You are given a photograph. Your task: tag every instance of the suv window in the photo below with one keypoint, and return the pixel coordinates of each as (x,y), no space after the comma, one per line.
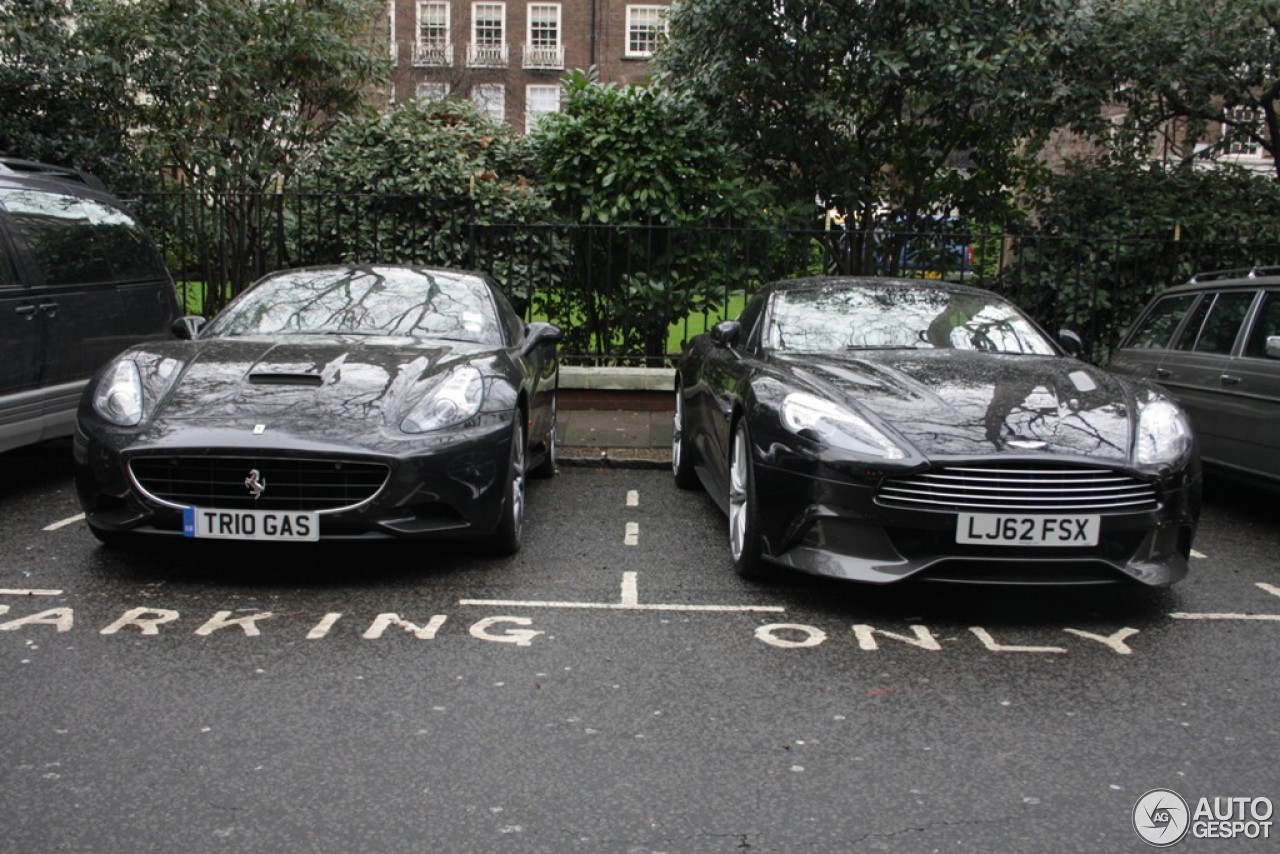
(1216,322)
(1160,324)
(79,241)
(1266,324)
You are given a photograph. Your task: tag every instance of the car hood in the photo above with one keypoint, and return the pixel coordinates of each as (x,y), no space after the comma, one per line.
(962,403)
(305,381)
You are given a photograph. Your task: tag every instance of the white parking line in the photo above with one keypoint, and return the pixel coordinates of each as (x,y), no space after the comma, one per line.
(629,601)
(16,592)
(79,517)
(1261,618)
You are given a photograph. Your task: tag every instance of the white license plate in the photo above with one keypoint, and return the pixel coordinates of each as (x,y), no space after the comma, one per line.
(280,525)
(993,529)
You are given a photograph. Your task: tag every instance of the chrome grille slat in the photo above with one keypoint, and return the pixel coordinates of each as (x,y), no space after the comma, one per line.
(218,482)
(1037,489)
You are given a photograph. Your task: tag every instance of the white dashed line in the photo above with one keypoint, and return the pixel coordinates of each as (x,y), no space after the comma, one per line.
(79,517)
(633,498)
(632,536)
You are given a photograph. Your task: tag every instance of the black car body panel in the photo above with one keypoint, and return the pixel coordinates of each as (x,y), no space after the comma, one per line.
(1043,438)
(315,422)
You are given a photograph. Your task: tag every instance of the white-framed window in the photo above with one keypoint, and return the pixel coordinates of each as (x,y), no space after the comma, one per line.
(544,48)
(426,92)
(491,99)
(646,27)
(1239,120)
(539,100)
(434,46)
(488,47)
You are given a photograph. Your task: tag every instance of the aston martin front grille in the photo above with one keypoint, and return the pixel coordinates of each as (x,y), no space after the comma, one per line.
(281,483)
(1033,488)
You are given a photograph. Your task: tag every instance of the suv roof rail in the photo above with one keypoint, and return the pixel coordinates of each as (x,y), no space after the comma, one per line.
(1238,273)
(18,166)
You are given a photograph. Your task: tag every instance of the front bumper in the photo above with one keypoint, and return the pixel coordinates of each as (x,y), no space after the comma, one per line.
(820,519)
(451,485)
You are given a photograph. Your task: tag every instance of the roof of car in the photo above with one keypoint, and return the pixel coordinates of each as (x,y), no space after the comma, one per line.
(1240,277)
(15,167)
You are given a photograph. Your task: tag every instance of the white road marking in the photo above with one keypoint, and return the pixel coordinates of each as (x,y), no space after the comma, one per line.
(1260,618)
(990,643)
(629,601)
(633,498)
(632,535)
(1201,555)
(71,520)
(12,591)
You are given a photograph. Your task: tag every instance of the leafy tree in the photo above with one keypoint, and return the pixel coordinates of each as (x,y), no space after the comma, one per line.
(1179,65)
(62,101)
(438,183)
(230,92)
(917,107)
(636,167)
(1113,232)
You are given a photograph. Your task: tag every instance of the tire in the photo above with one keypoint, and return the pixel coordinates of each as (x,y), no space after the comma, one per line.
(547,468)
(681,451)
(506,538)
(744,510)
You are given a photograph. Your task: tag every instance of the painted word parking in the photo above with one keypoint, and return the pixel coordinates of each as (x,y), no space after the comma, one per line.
(516,623)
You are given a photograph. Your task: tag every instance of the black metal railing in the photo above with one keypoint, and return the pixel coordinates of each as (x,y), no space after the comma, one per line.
(632,293)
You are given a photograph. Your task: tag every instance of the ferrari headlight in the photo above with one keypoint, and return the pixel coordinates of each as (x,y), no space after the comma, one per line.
(453,400)
(119,395)
(1164,435)
(826,422)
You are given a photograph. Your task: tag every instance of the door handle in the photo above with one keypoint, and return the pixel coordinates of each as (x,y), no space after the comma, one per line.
(1163,373)
(27,311)
(49,308)
(1229,379)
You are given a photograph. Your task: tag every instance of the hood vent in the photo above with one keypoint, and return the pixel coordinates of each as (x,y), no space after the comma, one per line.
(315,380)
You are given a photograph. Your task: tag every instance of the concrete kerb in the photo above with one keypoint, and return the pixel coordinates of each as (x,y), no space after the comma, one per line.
(615,417)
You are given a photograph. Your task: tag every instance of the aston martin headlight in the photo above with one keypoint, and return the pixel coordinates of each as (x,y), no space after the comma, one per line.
(826,422)
(1164,435)
(119,395)
(453,400)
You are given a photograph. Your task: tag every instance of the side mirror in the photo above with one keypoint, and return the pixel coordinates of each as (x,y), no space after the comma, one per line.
(726,333)
(1273,346)
(188,327)
(1071,342)
(539,333)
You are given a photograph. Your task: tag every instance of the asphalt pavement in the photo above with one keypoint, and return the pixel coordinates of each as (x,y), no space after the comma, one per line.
(630,438)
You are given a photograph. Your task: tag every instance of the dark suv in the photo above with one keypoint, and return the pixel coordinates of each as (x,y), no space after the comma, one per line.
(79,281)
(1215,343)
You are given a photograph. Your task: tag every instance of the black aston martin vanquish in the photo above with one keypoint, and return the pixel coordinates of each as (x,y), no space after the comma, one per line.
(880,429)
(327,402)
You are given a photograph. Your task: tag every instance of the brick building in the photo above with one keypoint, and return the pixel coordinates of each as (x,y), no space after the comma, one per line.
(508,55)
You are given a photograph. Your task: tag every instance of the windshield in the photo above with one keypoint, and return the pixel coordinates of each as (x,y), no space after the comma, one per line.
(896,317)
(364,301)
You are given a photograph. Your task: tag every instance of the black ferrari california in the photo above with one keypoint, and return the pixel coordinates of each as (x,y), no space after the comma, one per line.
(327,403)
(882,429)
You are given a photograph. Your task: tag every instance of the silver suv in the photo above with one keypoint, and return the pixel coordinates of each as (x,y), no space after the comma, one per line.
(79,281)
(1215,343)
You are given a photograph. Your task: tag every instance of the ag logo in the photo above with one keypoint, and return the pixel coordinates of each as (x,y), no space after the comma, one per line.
(1161,817)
